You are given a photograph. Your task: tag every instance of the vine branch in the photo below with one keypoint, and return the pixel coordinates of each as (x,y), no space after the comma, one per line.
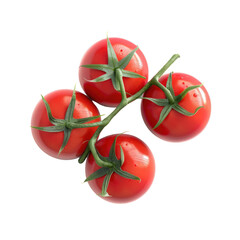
(125,101)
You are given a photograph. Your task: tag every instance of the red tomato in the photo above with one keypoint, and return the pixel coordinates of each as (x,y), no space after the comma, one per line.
(50,142)
(177,127)
(139,161)
(104,92)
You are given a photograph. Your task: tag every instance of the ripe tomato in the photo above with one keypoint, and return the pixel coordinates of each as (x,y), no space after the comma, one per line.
(50,142)
(176,126)
(138,160)
(103,92)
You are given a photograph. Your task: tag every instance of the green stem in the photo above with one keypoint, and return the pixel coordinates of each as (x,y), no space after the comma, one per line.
(72,125)
(140,92)
(125,101)
(93,150)
(84,155)
(166,66)
(165,90)
(107,120)
(154,80)
(92,141)
(119,76)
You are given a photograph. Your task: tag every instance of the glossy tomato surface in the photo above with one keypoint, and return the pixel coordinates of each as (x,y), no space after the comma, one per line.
(50,142)
(104,92)
(139,161)
(177,127)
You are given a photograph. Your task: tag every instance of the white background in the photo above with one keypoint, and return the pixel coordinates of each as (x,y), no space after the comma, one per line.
(196,191)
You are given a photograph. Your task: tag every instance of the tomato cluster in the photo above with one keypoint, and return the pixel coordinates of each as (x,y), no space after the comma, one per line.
(66,124)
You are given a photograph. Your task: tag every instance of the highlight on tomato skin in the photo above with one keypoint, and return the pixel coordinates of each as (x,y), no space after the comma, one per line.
(177,127)
(51,142)
(138,160)
(103,92)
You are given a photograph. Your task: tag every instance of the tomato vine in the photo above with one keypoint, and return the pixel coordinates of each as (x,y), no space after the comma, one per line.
(115,71)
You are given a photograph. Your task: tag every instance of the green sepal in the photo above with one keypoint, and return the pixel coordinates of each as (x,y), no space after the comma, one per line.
(112,58)
(164,113)
(105,184)
(112,154)
(105,159)
(67,133)
(159,102)
(125,174)
(97,174)
(49,113)
(102,67)
(85,120)
(124,62)
(183,111)
(104,77)
(122,156)
(169,84)
(71,106)
(130,74)
(185,91)
(58,128)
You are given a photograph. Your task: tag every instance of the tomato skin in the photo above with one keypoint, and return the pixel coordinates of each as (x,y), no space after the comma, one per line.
(177,127)
(51,142)
(103,92)
(139,161)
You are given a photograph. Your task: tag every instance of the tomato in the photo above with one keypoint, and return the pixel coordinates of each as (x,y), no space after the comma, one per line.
(138,160)
(104,92)
(51,142)
(176,126)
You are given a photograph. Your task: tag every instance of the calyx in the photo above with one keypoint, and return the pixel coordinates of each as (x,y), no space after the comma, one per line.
(113,64)
(171,101)
(108,171)
(64,125)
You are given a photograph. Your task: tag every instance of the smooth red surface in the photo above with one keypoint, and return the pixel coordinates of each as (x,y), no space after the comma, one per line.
(177,127)
(139,161)
(50,143)
(103,92)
